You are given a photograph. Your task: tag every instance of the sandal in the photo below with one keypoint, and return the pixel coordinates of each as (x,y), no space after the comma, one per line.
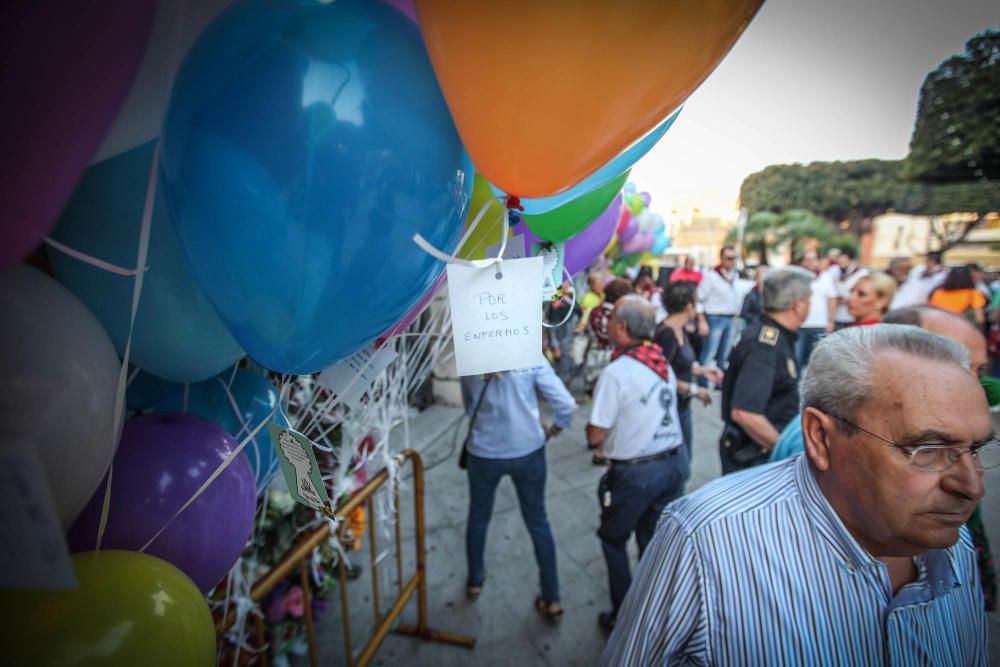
(472,591)
(598,460)
(544,608)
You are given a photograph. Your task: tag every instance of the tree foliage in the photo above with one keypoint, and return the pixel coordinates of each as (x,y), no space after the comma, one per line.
(957,133)
(766,230)
(953,166)
(853,190)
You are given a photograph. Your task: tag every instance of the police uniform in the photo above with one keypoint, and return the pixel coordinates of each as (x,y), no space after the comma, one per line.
(762,377)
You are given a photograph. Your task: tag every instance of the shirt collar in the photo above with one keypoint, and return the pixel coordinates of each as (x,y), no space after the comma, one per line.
(938,566)
(826,521)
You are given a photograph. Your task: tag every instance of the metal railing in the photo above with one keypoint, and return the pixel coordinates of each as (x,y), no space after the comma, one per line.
(300,552)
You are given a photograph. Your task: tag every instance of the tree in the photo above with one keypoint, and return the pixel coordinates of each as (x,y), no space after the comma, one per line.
(855,191)
(766,231)
(955,147)
(956,137)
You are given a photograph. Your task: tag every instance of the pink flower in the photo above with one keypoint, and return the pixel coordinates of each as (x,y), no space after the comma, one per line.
(295,602)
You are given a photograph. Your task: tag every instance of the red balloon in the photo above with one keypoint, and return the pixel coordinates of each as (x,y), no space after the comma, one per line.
(66,68)
(623,220)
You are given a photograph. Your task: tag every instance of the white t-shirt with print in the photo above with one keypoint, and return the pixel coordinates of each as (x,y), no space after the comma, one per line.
(638,408)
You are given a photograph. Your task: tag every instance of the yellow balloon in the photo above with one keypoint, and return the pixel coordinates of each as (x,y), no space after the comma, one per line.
(487,233)
(611,245)
(130,609)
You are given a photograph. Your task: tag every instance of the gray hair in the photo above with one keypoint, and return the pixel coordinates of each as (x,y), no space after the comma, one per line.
(638,315)
(841,378)
(783,287)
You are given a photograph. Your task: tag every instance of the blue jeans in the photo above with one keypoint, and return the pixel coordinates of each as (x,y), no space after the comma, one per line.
(632,498)
(685,418)
(716,347)
(804,344)
(528,474)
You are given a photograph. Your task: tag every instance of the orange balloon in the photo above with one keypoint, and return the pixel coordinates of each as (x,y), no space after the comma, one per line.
(545,92)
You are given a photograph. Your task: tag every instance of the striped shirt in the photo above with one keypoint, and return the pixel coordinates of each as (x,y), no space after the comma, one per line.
(757,569)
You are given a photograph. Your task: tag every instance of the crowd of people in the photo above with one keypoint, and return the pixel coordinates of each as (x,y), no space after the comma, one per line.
(859,386)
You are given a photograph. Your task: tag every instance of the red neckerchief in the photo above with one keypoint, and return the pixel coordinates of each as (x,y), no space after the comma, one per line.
(649,355)
(599,323)
(729,280)
(866,323)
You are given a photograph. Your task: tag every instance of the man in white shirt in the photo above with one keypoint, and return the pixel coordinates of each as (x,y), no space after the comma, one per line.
(634,418)
(822,309)
(850,273)
(916,290)
(720,301)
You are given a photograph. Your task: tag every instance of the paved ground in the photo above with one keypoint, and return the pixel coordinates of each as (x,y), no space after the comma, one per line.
(508,630)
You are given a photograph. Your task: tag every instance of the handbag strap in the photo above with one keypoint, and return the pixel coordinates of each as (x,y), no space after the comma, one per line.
(479,402)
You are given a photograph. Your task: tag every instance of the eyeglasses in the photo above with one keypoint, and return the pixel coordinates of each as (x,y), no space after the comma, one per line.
(729,258)
(937,457)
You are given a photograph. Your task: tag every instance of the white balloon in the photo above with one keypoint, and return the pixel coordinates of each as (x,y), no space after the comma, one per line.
(60,374)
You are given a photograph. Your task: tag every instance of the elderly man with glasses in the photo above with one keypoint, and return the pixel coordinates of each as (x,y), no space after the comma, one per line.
(854,553)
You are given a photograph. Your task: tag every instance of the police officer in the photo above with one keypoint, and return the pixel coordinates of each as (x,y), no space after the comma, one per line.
(760,392)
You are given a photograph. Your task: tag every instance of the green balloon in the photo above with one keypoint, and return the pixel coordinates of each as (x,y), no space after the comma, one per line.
(565,222)
(130,609)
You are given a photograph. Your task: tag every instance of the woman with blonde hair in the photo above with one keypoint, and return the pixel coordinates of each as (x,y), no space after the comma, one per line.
(870,298)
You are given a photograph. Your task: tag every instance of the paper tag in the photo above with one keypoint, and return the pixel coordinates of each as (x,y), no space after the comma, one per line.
(33,551)
(496,319)
(364,365)
(551,272)
(515,248)
(298,465)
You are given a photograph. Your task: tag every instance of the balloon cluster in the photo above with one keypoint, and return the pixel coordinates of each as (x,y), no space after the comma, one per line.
(270,215)
(640,232)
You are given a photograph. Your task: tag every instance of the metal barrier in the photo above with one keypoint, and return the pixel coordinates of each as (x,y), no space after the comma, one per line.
(300,552)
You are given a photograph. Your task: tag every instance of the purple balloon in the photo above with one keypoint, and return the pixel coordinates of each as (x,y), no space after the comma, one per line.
(581,250)
(161,462)
(630,231)
(67,68)
(646,198)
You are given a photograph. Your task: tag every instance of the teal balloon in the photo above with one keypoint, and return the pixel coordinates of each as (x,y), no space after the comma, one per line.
(145,390)
(609,172)
(178,335)
(304,145)
(255,398)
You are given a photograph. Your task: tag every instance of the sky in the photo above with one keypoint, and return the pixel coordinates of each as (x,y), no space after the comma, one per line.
(809,80)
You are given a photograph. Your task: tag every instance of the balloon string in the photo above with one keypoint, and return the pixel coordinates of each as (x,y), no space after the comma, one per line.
(471,263)
(93,261)
(147,223)
(244,426)
(222,466)
(572,303)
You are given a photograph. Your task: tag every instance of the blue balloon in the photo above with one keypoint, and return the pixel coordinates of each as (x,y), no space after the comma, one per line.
(255,397)
(602,176)
(178,335)
(661,243)
(303,147)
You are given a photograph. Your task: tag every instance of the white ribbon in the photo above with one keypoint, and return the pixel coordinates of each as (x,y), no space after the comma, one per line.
(471,263)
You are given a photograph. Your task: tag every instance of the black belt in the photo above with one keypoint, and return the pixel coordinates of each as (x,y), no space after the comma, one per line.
(667,453)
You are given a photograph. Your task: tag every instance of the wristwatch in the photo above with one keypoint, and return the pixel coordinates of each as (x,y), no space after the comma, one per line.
(692,390)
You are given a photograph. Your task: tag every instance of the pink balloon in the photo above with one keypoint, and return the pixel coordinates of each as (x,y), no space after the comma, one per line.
(404,6)
(68,66)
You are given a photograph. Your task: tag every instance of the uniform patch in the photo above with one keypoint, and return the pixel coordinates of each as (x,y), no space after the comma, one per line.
(768,335)
(791,368)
